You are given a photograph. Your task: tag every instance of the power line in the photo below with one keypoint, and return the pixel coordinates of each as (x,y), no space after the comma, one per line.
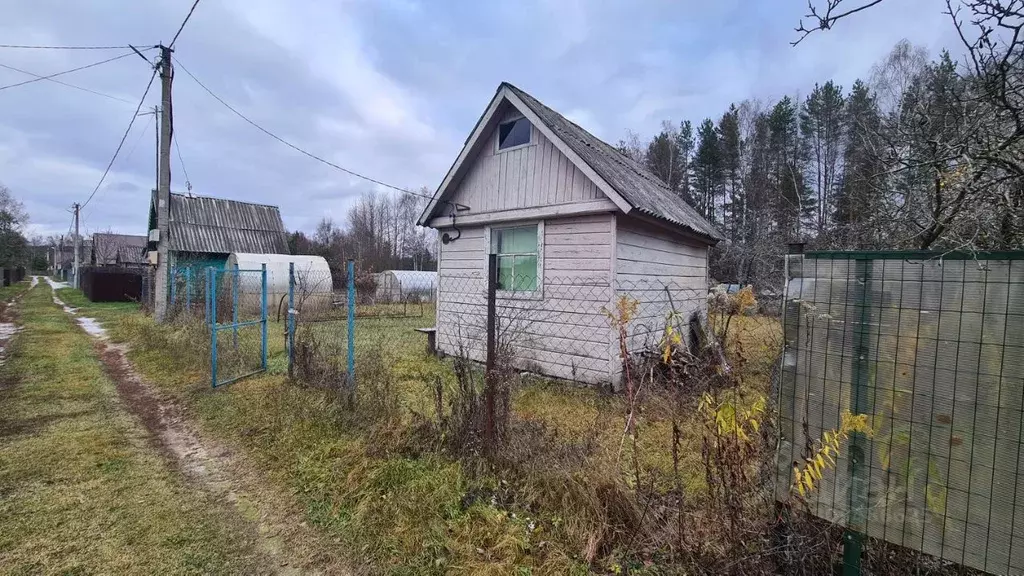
(123,138)
(67,71)
(181,161)
(293,146)
(29,47)
(145,130)
(63,83)
(185,21)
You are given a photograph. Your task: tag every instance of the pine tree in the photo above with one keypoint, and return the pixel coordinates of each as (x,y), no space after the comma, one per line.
(707,170)
(821,126)
(859,194)
(668,157)
(730,146)
(793,200)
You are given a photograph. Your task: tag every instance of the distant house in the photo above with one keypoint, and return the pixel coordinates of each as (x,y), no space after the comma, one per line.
(204,231)
(118,250)
(65,257)
(574,223)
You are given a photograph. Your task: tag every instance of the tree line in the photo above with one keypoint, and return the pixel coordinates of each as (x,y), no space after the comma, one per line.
(379,232)
(923,154)
(14,247)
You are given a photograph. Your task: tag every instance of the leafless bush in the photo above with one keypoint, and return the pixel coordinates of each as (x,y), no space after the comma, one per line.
(318,359)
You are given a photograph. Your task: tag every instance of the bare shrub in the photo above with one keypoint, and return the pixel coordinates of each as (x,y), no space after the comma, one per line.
(318,359)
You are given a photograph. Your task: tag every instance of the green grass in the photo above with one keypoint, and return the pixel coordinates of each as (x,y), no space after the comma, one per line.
(83,490)
(413,512)
(108,312)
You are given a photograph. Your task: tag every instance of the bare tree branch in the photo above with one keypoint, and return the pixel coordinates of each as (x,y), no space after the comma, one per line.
(827,20)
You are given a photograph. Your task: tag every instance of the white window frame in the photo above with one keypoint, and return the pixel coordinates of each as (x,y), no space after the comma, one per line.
(537,294)
(497,135)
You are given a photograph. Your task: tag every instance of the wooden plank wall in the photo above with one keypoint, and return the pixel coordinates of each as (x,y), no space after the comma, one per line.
(649,260)
(534,175)
(563,332)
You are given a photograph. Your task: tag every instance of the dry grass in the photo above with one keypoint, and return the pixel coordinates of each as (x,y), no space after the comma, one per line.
(83,490)
(563,500)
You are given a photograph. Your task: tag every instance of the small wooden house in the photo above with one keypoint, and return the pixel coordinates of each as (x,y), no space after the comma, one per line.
(574,224)
(204,231)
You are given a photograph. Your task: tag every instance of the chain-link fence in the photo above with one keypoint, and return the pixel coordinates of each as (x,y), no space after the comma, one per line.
(236,309)
(559,326)
(186,295)
(931,349)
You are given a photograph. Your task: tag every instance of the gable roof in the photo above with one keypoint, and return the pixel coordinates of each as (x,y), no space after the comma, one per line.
(216,225)
(118,248)
(626,182)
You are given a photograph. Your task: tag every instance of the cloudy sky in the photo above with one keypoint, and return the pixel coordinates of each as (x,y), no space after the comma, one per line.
(388,88)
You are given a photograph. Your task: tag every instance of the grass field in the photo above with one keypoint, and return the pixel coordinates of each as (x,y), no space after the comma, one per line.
(84,492)
(403,509)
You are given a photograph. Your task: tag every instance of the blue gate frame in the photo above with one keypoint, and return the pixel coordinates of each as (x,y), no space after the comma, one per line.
(215,327)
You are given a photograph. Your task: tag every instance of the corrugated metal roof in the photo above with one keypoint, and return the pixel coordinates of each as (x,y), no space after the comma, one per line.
(643,190)
(118,248)
(203,224)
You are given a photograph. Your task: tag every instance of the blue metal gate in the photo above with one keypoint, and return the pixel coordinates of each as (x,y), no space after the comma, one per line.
(236,313)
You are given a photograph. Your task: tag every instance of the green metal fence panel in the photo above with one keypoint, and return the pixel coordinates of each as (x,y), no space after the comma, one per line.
(931,348)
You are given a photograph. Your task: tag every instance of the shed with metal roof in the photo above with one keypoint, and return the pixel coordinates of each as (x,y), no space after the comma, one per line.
(203,231)
(574,223)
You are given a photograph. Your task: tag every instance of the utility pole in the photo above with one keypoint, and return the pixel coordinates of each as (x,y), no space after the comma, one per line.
(163,192)
(78,245)
(155,113)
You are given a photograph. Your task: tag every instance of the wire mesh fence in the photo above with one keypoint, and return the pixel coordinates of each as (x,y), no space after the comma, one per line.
(561,326)
(555,325)
(931,349)
(187,293)
(236,309)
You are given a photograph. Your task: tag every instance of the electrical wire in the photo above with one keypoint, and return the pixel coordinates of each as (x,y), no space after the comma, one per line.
(293,146)
(181,161)
(68,84)
(182,27)
(145,130)
(29,47)
(123,138)
(51,76)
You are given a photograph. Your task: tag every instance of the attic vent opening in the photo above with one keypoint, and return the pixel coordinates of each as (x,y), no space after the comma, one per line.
(513,133)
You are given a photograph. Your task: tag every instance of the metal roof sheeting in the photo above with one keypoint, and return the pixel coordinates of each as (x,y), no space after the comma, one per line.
(202,224)
(643,190)
(119,248)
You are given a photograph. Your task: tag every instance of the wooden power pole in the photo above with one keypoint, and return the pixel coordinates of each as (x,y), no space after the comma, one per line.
(78,246)
(163,193)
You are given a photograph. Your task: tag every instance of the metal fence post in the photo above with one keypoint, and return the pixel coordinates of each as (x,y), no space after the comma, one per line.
(263,308)
(291,319)
(489,383)
(351,268)
(213,329)
(172,278)
(234,307)
(188,289)
(859,401)
(208,297)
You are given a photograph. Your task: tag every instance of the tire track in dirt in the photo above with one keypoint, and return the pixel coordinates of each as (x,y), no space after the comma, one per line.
(280,532)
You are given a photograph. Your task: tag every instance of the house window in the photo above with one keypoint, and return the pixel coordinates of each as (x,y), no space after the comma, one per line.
(517,257)
(514,133)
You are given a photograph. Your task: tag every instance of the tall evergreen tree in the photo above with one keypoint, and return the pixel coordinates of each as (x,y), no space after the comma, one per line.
(821,126)
(730,145)
(859,195)
(793,200)
(668,156)
(707,170)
